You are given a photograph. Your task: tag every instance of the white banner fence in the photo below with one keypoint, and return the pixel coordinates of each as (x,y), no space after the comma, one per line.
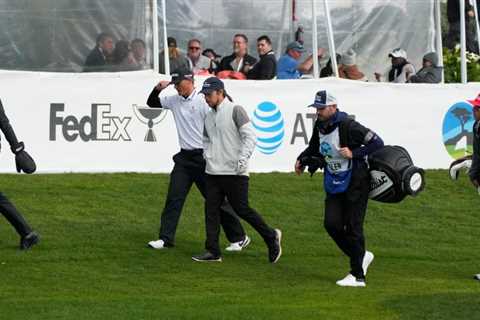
(95,123)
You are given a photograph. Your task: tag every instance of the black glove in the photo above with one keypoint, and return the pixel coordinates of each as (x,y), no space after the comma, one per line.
(23,160)
(313,163)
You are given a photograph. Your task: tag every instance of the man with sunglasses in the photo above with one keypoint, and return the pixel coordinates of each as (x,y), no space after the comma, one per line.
(189,111)
(198,62)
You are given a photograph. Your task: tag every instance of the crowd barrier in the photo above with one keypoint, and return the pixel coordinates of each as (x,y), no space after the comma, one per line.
(99,123)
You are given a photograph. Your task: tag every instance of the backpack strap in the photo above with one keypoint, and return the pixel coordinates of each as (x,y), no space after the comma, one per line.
(344,129)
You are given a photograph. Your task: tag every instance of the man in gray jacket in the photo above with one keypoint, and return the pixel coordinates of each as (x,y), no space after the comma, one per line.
(430,72)
(228,143)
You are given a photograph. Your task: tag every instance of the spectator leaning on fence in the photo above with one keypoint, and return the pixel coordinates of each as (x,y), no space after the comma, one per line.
(177,60)
(401,69)
(198,62)
(266,67)
(348,68)
(100,56)
(239,58)
(430,72)
(289,65)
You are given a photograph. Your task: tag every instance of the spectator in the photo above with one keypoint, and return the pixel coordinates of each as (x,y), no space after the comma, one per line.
(401,69)
(123,59)
(348,68)
(177,60)
(214,58)
(138,51)
(327,71)
(266,67)
(289,66)
(430,72)
(100,57)
(453,16)
(238,59)
(198,63)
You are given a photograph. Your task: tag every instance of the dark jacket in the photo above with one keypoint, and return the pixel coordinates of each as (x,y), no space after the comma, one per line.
(265,69)
(427,75)
(474,171)
(7,128)
(453,10)
(360,140)
(431,74)
(96,61)
(225,63)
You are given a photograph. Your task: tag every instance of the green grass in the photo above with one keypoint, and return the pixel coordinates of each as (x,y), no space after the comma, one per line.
(92,262)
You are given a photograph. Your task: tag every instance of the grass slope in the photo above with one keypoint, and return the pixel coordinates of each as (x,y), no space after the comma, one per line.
(92,262)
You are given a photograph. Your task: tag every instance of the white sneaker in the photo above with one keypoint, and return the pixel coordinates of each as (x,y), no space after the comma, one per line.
(238,246)
(476,277)
(350,281)
(367,259)
(157,244)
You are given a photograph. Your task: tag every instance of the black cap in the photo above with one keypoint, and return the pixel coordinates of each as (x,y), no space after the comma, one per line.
(181,74)
(216,55)
(172,42)
(212,84)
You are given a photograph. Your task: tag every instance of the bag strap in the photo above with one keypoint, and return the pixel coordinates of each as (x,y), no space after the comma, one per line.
(344,129)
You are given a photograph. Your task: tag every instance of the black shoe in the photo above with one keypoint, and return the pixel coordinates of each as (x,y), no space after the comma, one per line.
(29,240)
(207,257)
(275,249)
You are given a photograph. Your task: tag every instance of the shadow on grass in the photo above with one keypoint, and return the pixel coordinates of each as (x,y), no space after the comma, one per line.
(438,306)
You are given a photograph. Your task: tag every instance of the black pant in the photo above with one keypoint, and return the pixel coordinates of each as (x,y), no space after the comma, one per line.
(344,216)
(235,188)
(13,216)
(190,168)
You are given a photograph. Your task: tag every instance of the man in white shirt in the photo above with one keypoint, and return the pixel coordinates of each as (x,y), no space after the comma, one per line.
(189,110)
(229,141)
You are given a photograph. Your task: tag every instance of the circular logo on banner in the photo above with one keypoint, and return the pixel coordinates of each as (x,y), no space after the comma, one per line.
(457,129)
(268,122)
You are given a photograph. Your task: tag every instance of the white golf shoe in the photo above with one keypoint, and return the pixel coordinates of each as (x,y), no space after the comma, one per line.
(367,260)
(476,277)
(351,281)
(157,244)
(238,246)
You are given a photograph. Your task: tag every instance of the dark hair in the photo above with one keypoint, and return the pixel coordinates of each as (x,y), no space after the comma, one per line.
(121,51)
(264,37)
(241,35)
(138,41)
(102,36)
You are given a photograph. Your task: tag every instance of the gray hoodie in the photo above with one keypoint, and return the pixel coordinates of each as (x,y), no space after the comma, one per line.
(431,74)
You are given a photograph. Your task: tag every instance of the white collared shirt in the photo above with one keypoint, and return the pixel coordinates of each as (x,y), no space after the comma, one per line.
(189,114)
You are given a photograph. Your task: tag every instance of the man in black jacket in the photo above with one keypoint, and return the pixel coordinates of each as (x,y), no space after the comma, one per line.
(239,58)
(474,171)
(453,16)
(266,67)
(342,145)
(99,58)
(24,163)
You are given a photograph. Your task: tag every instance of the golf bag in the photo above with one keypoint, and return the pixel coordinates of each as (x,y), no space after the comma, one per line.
(393,175)
(459,164)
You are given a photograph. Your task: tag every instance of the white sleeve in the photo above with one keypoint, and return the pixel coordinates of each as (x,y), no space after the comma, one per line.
(168,102)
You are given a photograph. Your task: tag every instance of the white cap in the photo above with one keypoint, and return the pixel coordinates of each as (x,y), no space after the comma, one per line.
(398,53)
